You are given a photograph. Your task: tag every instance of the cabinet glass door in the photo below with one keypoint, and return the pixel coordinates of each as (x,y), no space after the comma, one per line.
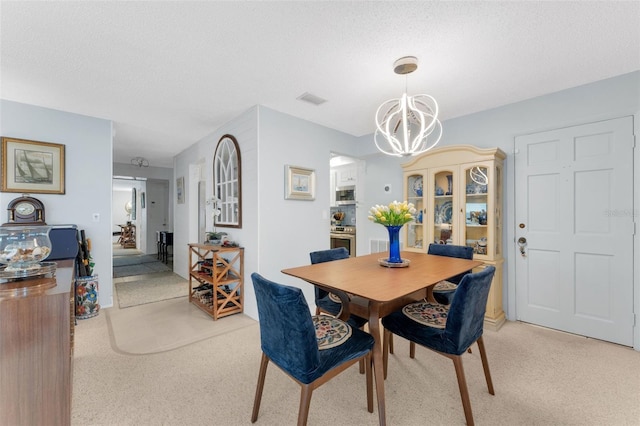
(497,236)
(443,193)
(476,208)
(415,229)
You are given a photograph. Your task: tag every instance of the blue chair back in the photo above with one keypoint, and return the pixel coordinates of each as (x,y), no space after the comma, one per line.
(466,313)
(450,250)
(322,256)
(287,333)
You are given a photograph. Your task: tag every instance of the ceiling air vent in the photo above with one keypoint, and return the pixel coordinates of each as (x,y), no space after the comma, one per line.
(311,98)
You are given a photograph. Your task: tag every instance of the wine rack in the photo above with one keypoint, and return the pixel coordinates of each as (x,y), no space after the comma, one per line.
(216,279)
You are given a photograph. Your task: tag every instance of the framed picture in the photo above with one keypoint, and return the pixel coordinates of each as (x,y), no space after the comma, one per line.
(180,189)
(299,183)
(32,167)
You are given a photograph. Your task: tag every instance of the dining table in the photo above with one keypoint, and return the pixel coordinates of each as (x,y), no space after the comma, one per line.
(371,290)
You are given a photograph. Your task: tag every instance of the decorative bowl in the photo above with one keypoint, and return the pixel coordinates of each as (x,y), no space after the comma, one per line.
(24,247)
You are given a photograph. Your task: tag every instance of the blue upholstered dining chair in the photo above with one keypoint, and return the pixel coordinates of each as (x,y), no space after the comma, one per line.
(310,350)
(448,329)
(326,302)
(443,291)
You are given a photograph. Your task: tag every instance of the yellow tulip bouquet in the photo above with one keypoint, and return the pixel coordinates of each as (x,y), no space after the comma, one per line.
(395,214)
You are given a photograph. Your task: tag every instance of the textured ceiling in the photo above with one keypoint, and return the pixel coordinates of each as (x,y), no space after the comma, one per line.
(169,73)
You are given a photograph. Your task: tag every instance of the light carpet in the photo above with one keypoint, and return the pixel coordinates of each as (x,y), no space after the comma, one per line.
(541,378)
(151,290)
(131,267)
(117,251)
(163,326)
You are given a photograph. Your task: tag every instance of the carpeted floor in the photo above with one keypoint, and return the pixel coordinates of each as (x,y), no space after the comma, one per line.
(126,266)
(541,377)
(165,326)
(151,288)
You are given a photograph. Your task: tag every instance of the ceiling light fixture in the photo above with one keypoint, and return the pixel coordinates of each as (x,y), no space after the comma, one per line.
(409,125)
(478,175)
(140,162)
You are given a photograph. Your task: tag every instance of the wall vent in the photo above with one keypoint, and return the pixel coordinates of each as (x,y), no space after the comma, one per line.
(378,246)
(311,98)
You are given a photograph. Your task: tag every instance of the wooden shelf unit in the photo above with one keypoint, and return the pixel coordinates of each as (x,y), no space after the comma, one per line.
(216,279)
(127,236)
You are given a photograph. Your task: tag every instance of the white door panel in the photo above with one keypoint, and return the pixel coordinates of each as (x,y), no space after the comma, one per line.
(574,203)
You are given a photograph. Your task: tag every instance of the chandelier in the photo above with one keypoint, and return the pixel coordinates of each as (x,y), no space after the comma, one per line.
(409,125)
(140,162)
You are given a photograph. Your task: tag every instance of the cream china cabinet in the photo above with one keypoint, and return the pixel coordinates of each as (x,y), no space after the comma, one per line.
(457,191)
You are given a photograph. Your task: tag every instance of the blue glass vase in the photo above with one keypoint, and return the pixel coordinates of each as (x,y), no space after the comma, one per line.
(394,244)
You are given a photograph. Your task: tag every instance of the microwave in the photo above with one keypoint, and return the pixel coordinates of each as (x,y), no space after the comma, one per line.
(345,195)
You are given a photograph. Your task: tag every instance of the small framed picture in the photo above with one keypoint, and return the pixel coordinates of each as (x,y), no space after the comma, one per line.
(32,167)
(299,183)
(180,189)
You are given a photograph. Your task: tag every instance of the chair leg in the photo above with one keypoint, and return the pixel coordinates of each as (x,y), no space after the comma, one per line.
(261,375)
(305,401)
(386,337)
(485,365)
(412,350)
(361,362)
(369,374)
(464,392)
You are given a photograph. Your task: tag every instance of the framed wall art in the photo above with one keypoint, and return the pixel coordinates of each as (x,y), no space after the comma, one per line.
(299,183)
(32,167)
(180,189)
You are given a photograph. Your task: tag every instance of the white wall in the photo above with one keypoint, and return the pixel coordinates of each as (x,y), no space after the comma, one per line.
(88,154)
(290,229)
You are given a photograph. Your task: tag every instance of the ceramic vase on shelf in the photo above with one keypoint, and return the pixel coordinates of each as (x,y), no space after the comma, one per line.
(86,294)
(394,244)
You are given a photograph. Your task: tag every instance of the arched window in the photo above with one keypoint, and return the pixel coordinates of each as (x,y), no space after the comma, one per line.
(227,183)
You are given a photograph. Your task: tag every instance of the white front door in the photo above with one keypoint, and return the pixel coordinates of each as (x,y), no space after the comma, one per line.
(574,219)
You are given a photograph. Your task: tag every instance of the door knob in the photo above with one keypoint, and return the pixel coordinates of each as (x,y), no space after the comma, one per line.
(522,242)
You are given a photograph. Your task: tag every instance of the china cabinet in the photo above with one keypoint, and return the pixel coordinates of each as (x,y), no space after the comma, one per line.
(458,193)
(216,279)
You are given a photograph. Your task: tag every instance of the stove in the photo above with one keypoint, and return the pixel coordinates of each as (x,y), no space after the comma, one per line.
(335,229)
(343,236)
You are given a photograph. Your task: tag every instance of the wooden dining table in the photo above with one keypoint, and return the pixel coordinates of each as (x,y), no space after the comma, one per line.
(369,290)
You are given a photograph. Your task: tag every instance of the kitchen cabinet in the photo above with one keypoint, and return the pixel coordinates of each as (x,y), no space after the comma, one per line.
(458,193)
(332,188)
(346,175)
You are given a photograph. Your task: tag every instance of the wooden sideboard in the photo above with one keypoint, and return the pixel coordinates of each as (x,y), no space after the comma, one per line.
(36,349)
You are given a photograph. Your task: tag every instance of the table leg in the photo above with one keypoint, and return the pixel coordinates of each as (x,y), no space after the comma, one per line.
(374,329)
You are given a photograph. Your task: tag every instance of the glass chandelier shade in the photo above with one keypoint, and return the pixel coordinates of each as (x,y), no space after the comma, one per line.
(408,125)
